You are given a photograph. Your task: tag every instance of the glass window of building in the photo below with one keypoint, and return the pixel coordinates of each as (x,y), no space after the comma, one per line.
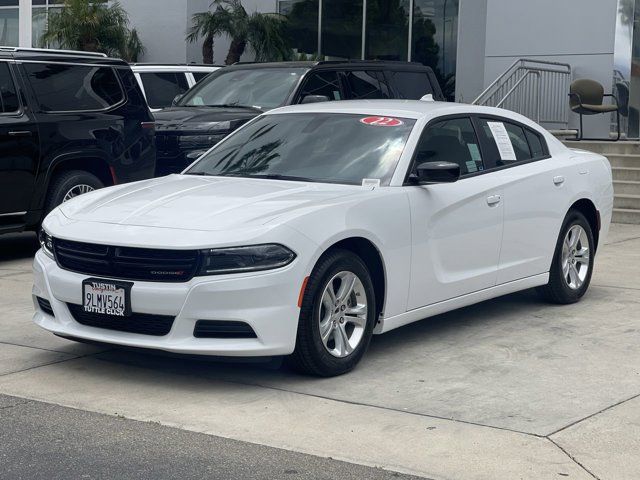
(387,32)
(9,23)
(341,29)
(435,39)
(302,26)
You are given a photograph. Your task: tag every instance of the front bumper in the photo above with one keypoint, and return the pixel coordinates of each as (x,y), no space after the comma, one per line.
(267,301)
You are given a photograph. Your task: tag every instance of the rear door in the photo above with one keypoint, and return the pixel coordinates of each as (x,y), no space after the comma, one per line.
(19,147)
(534,196)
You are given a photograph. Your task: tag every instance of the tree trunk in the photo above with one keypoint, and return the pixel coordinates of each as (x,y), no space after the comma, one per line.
(236,49)
(207,50)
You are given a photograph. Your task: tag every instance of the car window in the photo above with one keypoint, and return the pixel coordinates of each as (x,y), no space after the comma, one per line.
(197,76)
(409,85)
(452,140)
(162,87)
(535,144)
(60,88)
(517,143)
(8,94)
(320,147)
(322,83)
(264,88)
(365,85)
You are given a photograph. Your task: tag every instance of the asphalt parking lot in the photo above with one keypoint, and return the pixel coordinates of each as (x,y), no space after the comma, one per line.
(510,388)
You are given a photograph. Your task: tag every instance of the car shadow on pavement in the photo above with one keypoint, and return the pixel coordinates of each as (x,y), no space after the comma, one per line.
(18,246)
(399,345)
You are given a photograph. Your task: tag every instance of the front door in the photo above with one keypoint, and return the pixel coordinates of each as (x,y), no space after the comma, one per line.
(19,149)
(456,227)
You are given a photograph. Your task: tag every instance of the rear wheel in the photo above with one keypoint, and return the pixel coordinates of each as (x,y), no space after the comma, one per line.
(337,316)
(572,264)
(68,185)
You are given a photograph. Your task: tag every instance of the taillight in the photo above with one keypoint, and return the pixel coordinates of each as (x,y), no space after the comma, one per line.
(148,125)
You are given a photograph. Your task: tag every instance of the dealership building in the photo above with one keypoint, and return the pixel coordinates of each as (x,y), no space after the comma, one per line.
(469,43)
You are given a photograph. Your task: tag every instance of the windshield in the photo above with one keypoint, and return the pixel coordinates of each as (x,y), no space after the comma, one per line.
(264,88)
(317,147)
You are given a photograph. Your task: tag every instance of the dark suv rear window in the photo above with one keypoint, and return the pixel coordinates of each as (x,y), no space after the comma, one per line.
(63,88)
(8,96)
(409,85)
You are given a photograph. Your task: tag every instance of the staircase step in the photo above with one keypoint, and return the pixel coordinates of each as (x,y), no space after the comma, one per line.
(626,173)
(624,160)
(627,202)
(626,187)
(605,148)
(626,215)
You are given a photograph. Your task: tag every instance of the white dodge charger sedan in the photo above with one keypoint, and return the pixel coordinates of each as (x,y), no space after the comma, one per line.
(315,226)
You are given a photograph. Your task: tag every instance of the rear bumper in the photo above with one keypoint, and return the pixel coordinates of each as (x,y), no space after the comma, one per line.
(267,302)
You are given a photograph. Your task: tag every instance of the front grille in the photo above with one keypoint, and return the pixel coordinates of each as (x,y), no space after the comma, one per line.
(142,323)
(222,329)
(148,264)
(45,306)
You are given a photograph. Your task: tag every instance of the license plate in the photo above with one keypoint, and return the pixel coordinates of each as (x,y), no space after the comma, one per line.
(106,297)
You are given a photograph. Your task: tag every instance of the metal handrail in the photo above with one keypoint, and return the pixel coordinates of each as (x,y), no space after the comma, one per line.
(543,98)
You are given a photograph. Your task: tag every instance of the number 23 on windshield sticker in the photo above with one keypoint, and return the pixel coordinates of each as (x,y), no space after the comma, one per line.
(382,121)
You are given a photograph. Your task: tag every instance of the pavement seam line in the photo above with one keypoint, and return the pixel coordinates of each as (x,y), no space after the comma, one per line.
(592,415)
(622,241)
(34,400)
(615,286)
(379,407)
(46,365)
(574,459)
(36,348)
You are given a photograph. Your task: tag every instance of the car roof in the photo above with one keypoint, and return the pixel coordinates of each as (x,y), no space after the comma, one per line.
(340,64)
(53,55)
(398,108)
(158,67)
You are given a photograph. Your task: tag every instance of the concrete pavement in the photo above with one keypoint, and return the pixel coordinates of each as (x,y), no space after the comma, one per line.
(510,388)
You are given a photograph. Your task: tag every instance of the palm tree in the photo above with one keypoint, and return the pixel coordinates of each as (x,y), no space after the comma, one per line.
(264,33)
(208,25)
(94,27)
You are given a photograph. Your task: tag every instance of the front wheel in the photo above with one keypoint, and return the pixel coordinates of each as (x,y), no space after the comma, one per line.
(337,316)
(572,264)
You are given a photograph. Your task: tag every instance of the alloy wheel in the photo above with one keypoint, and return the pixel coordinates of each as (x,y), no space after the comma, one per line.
(77,190)
(343,314)
(575,257)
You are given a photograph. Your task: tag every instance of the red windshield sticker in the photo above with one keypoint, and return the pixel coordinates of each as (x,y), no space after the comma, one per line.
(382,121)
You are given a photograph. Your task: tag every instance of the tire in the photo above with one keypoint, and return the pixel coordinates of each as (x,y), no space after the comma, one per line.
(568,281)
(333,356)
(66,182)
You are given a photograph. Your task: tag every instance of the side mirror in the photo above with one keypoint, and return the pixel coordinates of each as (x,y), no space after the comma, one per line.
(176,99)
(315,99)
(438,172)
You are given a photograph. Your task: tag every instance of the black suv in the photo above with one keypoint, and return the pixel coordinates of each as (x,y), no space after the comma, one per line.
(70,122)
(231,96)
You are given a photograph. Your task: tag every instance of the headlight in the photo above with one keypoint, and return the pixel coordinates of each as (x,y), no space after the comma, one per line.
(217,261)
(46,242)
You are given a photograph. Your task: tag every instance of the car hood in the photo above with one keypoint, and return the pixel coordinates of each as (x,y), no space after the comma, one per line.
(197,118)
(203,203)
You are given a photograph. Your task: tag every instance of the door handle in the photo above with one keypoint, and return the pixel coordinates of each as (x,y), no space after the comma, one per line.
(558,180)
(493,200)
(21,133)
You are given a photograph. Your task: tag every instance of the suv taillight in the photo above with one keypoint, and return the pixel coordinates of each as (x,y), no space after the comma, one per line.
(148,125)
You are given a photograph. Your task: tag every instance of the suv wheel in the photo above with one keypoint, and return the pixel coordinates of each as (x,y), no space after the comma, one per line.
(69,185)
(337,316)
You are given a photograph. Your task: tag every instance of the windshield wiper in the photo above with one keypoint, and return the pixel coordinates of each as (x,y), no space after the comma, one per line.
(235,105)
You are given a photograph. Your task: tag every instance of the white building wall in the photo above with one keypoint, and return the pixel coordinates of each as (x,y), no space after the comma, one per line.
(578,32)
